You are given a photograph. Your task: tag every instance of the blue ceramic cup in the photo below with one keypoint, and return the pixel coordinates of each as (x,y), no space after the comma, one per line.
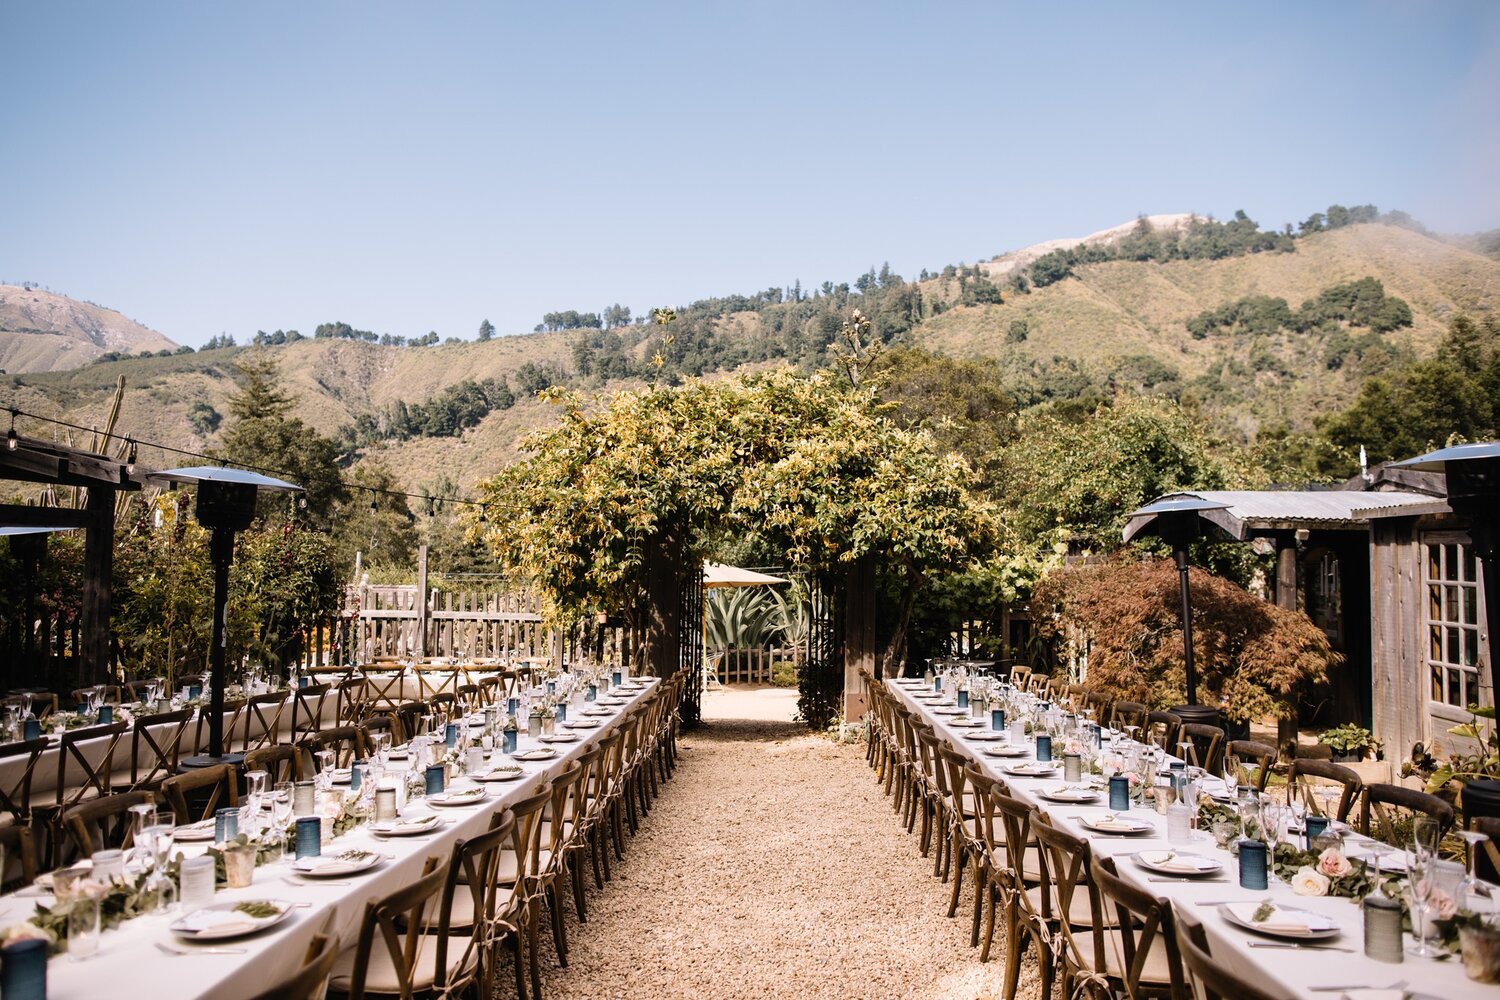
(354,774)
(31,729)
(1119,793)
(1316,826)
(435,773)
(512,706)
(309,837)
(1044,747)
(195,691)
(508,742)
(106,715)
(997,719)
(937,682)
(615,677)
(23,970)
(562,713)
(1252,864)
(591,693)
(226,825)
(450,735)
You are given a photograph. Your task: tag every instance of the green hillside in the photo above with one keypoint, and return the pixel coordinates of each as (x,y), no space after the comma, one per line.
(1113,324)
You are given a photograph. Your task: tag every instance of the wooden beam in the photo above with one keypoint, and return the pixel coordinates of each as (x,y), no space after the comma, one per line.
(98,571)
(15,515)
(859,636)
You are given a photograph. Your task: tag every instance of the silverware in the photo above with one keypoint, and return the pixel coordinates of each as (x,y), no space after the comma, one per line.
(1223,902)
(1298,946)
(299,880)
(167,949)
(1188,879)
(1397,985)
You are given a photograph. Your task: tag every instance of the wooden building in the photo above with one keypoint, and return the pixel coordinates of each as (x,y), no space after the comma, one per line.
(1387,570)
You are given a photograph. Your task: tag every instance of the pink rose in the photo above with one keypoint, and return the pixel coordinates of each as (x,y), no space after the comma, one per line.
(1443,905)
(1333,863)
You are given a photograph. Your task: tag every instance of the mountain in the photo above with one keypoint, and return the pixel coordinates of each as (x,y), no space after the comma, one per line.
(43,331)
(1111,324)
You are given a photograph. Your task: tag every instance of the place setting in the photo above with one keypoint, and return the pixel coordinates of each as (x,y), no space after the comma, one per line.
(415,827)
(230,920)
(343,864)
(456,798)
(1180,864)
(1072,794)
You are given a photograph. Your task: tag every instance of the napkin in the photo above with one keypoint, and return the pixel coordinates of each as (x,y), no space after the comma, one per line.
(541,753)
(406,825)
(1191,864)
(1279,922)
(464,795)
(318,863)
(1110,821)
(220,921)
(1374,995)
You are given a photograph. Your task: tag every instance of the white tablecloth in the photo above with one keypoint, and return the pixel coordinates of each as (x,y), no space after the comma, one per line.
(129,965)
(1287,972)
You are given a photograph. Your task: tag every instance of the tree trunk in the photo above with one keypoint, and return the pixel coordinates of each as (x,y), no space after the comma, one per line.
(660,652)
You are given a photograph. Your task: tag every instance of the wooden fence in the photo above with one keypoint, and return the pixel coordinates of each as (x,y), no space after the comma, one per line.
(398,621)
(752,666)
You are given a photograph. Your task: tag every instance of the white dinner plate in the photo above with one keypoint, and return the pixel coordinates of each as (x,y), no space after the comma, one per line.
(559,738)
(1182,863)
(1006,750)
(536,753)
(350,862)
(968,723)
(407,827)
(194,833)
(1069,793)
(1288,922)
(609,701)
(501,773)
(582,724)
(462,797)
(1031,770)
(597,712)
(219,921)
(1117,825)
(986,736)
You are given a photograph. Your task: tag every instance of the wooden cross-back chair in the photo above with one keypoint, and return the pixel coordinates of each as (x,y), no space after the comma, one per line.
(1068,902)
(384,690)
(281,762)
(1207,746)
(1262,755)
(1020,676)
(43,703)
(391,957)
(306,710)
(1160,729)
(1141,953)
(218,785)
(15,798)
(262,720)
(1128,713)
(233,709)
(1386,812)
(1100,704)
(470,697)
(18,844)
(409,717)
(346,743)
(310,981)
(102,823)
(491,690)
(1209,979)
(78,777)
(1300,781)
(155,749)
(1024,918)
(111,694)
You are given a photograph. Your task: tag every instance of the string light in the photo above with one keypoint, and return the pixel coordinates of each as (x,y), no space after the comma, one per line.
(130,457)
(10,438)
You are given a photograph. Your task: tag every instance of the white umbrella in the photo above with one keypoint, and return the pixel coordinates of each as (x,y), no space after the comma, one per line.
(720,575)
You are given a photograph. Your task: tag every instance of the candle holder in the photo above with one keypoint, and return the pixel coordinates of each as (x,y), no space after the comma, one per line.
(1252,855)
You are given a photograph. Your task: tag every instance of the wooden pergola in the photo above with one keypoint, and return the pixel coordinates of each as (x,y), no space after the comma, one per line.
(101,479)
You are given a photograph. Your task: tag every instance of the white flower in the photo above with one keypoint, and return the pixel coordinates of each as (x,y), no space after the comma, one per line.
(1309,882)
(24,932)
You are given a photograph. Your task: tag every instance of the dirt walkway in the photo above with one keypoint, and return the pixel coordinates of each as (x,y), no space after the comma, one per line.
(772,866)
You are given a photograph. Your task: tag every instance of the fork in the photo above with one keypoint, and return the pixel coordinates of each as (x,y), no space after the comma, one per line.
(1399,984)
(1297,946)
(167,949)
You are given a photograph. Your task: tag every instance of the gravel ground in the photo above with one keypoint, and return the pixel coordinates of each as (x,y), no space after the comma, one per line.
(771,866)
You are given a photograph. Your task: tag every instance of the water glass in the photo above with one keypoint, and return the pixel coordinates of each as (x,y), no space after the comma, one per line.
(109,865)
(83,927)
(197,875)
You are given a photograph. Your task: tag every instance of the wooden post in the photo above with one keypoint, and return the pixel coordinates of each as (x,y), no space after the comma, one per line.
(98,571)
(1286,597)
(421,609)
(859,636)
(660,651)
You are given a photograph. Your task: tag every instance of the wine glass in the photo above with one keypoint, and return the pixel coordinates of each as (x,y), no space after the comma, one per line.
(1420,880)
(281,805)
(1472,840)
(1425,835)
(325,768)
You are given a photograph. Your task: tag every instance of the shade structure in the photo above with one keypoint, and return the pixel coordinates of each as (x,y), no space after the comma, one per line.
(1437,461)
(226,504)
(721,575)
(1177,520)
(9,530)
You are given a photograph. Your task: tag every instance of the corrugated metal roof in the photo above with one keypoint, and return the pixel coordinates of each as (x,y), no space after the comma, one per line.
(1251,510)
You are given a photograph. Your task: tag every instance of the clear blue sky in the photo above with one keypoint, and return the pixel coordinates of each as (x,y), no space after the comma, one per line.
(208,167)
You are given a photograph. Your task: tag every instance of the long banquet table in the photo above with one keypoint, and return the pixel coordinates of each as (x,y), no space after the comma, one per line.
(1284,971)
(129,963)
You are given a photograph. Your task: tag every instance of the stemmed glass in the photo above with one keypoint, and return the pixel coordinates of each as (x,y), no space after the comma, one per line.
(1472,840)
(281,806)
(325,769)
(1420,871)
(160,884)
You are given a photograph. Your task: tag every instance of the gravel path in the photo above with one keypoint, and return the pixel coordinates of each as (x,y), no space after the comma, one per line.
(772,866)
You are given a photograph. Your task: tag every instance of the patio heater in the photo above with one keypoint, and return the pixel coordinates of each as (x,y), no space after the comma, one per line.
(226,504)
(1176,520)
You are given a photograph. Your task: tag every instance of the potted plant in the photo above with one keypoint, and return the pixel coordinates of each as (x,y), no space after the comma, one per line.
(1470,775)
(1349,743)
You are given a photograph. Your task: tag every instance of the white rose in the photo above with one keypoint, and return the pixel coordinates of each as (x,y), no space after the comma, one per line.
(1309,882)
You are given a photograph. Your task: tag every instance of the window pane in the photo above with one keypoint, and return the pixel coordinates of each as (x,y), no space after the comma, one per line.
(1451,608)
(1471,647)
(1470,573)
(1455,688)
(1437,683)
(1434,562)
(1453,646)
(1471,606)
(1435,602)
(1435,644)
(1450,561)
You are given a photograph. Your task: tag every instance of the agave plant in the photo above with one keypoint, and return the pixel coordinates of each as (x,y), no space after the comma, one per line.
(793,613)
(740,618)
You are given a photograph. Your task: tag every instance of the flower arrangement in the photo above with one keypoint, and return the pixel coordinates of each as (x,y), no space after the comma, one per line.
(1324,873)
